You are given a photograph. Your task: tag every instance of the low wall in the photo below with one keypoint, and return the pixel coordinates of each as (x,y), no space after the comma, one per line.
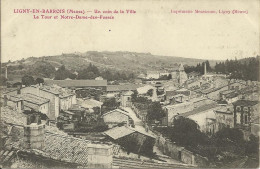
(180,153)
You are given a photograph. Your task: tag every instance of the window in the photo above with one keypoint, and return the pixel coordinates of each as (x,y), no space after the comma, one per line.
(245,109)
(246,120)
(238,108)
(224,117)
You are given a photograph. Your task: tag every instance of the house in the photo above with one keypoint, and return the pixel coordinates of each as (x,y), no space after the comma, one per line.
(117,116)
(245,112)
(74,84)
(14,103)
(229,95)
(126,99)
(134,140)
(205,117)
(19,102)
(59,98)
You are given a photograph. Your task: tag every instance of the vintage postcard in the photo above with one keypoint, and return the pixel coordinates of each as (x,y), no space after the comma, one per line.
(129,84)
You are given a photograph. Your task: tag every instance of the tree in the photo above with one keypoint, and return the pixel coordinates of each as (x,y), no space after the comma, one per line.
(155,112)
(28,80)
(62,73)
(109,104)
(39,80)
(185,132)
(150,92)
(3,81)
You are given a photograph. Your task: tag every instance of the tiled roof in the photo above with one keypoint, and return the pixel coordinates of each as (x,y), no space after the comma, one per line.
(126,87)
(77,83)
(66,148)
(6,156)
(199,110)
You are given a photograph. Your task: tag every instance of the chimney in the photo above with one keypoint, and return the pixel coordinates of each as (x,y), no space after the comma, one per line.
(205,69)
(34,133)
(18,90)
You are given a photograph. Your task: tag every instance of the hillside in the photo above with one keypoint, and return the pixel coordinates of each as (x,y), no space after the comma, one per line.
(122,61)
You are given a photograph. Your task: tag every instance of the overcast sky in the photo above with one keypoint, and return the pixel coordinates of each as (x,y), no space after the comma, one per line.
(152,29)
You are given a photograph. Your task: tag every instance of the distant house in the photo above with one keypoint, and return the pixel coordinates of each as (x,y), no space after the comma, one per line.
(117,116)
(245,112)
(177,73)
(122,88)
(99,78)
(193,75)
(170,94)
(126,99)
(74,84)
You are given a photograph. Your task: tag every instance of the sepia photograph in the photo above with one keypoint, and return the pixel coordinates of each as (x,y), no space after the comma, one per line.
(129,84)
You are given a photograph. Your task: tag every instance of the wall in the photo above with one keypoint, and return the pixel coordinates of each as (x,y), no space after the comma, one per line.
(224,119)
(100,156)
(44,108)
(180,153)
(66,103)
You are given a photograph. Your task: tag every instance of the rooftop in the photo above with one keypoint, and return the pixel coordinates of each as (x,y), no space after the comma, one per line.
(119,132)
(200,109)
(77,83)
(125,87)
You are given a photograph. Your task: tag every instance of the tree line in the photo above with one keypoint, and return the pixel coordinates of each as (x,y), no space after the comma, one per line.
(244,69)
(92,72)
